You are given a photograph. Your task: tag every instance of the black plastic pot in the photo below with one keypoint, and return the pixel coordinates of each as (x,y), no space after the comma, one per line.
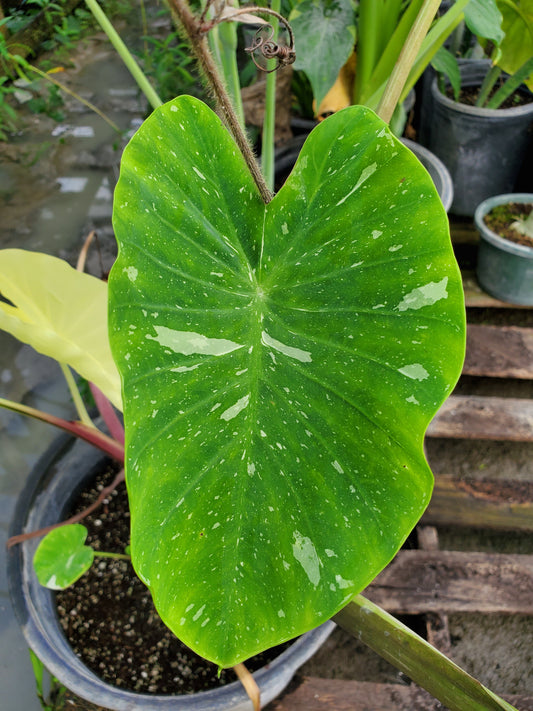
(53,484)
(482,148)
(504,269)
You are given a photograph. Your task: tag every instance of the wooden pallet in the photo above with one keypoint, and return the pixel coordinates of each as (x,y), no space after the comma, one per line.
(434,582)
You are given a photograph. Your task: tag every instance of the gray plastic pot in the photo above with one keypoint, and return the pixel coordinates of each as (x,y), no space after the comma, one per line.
(482,148)
(53,484)
(439,173)
(504,269)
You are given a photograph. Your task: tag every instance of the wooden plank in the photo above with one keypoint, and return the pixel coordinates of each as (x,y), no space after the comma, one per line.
(499,352)
(500,505)
(417,582)
(347,695)
(476,417)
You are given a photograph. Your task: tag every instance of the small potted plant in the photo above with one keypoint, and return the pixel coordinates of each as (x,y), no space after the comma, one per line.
(479,119)
(505,254)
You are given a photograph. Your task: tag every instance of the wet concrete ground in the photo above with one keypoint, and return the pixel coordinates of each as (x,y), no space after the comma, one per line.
(56,183)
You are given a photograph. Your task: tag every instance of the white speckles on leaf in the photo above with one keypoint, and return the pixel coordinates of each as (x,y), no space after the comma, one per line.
(376,234)
(415,371)
(365,174)
(189,342)
(426,295)
(131,273)
(338,467)
(296,353)
(234,410)
(305,553)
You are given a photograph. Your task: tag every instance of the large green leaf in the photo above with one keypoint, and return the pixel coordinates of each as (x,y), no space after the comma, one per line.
(324,33)
(280,365)
(60,312)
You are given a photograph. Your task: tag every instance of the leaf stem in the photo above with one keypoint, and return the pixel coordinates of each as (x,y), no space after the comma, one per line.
(124,54)
(416,658)
(269,122)
(76,397)
(118,556)
(399,74)
(79,429)
(199,47)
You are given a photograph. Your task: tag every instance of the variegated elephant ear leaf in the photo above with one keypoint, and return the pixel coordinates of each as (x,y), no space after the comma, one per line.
(280,365)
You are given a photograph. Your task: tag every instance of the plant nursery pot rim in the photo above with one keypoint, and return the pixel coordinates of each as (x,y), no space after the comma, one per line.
(479,111)
(519,250)
(33,609)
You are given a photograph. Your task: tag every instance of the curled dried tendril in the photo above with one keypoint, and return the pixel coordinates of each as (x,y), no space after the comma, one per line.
(271,50)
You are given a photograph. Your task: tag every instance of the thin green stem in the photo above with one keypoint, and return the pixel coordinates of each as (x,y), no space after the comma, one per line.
(490,79)
(118,556)
(399,74)
(368,29)
(269,123)
(124,53)
(227,36)
(416,658)
(511,85)
(76,397)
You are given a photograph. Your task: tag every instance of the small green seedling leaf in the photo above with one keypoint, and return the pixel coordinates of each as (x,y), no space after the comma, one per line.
(524,226)
(62,557)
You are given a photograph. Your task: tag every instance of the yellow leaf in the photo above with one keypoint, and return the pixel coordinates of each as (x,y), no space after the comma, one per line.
(60,312)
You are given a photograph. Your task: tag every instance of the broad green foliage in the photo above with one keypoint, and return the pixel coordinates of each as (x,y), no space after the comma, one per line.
(61,312)
(324,33)
(517,46)
(484,19)
(62,557)
(280,365)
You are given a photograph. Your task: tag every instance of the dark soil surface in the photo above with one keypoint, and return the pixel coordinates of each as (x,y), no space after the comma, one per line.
(468,95)
(110,621)
(500,219)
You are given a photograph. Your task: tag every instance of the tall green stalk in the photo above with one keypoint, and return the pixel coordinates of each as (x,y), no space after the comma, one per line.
(269,123)
(416,658)
(124,53)
(227,40)
(411,47)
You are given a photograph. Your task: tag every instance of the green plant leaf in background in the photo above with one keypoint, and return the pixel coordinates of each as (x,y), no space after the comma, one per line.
(280,366)
(445,63)
(517,46)
(324,32)
(484,19)
(62,557)
(60,312)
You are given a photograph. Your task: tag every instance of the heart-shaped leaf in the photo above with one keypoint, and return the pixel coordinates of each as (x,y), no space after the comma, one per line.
(280,366)
(62,556)
(60,312)
(324,32)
